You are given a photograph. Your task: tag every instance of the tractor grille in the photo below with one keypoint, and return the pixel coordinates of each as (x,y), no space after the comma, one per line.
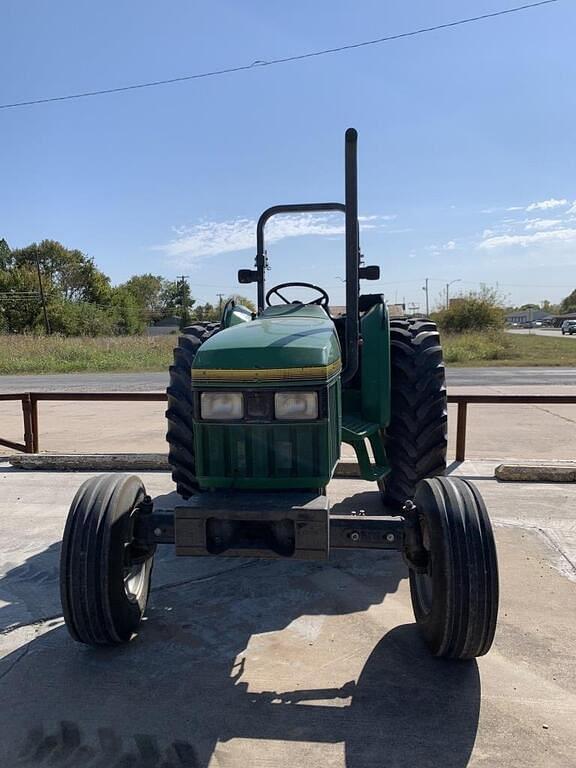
(269,455)
(261,450)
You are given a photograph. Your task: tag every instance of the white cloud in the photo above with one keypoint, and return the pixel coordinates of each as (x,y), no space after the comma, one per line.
(558,235)
(378,217)
(515,208)
(540,224)
(209,238)
(546,205)
(449,246)
(572,209)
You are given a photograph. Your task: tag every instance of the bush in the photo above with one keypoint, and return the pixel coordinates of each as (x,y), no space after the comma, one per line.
(476,311)
(79,319)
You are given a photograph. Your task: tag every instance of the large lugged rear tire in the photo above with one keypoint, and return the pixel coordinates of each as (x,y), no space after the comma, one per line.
(455,600)
(416,437)
(180,433)
(104,578)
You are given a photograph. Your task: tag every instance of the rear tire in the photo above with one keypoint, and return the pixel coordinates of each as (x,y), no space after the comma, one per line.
(416,438)
(455,601)
(104,579)
(180,433)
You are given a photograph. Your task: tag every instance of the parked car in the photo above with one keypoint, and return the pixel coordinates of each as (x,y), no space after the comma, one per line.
(568,327)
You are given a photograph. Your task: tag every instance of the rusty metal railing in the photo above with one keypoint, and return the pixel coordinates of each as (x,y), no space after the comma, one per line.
(30,402)
(28,445)
(463,400)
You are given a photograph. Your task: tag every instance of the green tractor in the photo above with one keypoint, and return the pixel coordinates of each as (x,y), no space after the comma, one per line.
(258,408)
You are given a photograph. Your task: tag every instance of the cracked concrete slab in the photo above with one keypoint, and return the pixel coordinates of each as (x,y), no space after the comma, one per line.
(247,662)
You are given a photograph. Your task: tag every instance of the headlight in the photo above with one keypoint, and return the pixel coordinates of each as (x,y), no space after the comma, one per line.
(224,406)
(296,405)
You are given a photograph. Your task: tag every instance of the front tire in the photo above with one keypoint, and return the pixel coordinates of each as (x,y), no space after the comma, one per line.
(455,597)
(104,578)
(416,438)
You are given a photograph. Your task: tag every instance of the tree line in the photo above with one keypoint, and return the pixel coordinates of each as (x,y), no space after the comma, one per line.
(46,287)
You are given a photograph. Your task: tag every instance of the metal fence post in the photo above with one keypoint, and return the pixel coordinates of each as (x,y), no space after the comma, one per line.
(28,423)
(461,431)
(34,415)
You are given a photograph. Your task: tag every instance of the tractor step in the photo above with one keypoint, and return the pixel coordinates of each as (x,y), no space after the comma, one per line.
(356,431)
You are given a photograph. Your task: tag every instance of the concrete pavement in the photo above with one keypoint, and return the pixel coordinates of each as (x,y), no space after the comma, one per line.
(252,663)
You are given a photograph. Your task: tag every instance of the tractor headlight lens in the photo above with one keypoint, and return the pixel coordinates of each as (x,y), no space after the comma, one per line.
(295,406)
(224,406)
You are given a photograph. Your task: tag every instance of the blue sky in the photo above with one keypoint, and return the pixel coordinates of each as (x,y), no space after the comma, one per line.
(467,155)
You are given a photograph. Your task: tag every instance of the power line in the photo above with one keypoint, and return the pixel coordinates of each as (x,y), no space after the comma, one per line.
(284,60)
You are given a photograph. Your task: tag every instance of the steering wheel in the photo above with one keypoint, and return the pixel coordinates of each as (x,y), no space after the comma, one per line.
(322,301)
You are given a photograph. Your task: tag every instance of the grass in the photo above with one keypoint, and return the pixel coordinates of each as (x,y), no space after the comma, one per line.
(496,348)
(55,354)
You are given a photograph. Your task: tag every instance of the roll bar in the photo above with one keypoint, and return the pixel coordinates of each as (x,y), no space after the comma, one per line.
(350,210)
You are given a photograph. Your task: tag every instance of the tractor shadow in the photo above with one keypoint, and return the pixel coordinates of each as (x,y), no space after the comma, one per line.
(228,652)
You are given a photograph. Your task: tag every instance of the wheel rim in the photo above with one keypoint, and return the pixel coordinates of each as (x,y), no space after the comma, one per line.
(424,581)
(134,580)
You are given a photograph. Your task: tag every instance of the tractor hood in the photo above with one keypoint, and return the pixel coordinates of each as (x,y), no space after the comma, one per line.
(291,342)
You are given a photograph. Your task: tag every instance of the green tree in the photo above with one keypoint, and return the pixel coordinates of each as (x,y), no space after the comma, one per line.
(4,253)
(206,312)
(68,274)
(547,306)
(127,314)
(176,300)
(146,290)
(569,303)
(20,307)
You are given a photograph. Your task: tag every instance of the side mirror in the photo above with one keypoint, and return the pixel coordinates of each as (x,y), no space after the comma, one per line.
(247,276)
(369,273)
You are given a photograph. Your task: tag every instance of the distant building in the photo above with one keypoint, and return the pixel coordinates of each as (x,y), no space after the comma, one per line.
(164,327)
(559,319)
(521,316)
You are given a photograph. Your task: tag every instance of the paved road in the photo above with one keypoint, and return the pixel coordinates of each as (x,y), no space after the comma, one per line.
(556,334)
(510,377)
(148,382)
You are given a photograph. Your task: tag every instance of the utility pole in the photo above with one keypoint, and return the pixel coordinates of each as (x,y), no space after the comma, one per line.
(184,297)
(220,299)
(458,280)
(425,288)
(42,297)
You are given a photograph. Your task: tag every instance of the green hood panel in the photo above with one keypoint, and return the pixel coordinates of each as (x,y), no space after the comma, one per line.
(282,337)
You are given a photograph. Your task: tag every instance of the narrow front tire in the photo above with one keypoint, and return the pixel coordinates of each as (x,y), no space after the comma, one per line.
(104,576)
(455,596)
